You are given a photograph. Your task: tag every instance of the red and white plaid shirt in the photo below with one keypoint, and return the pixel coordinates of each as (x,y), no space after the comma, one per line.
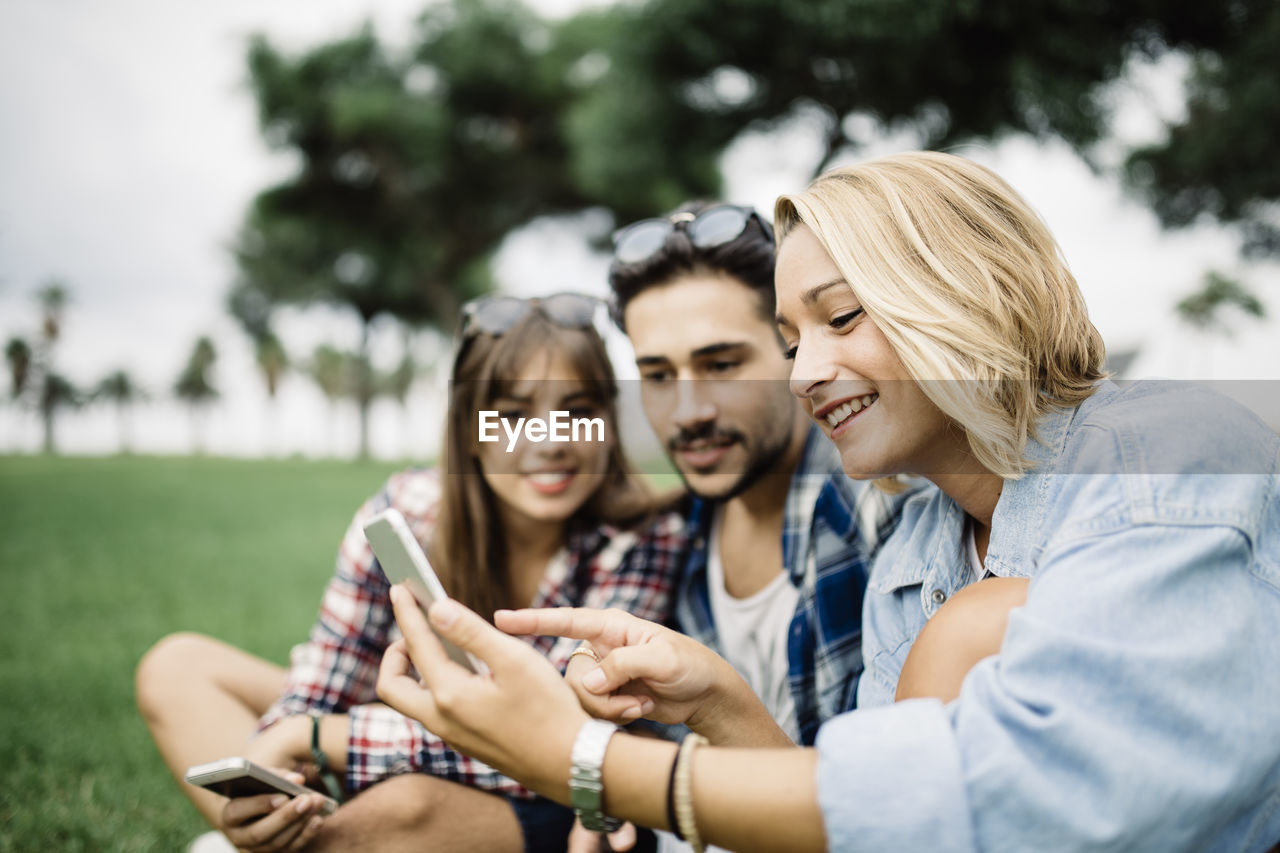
(336,670)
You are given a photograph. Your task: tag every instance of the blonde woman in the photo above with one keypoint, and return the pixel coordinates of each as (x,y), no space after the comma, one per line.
(936,331)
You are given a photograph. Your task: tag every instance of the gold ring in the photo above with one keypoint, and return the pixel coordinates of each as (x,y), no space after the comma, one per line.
(585,650)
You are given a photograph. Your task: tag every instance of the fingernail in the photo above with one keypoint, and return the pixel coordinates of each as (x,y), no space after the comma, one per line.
(631,713)
(444,613)
(594,680)
(396,594)
(278,800)
(646,705)
(303,805)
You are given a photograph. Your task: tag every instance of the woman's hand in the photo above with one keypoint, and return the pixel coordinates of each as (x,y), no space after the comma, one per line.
(269,823)
(520,718)
(651,671)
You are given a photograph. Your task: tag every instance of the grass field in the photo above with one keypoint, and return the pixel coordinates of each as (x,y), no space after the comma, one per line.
(99,558)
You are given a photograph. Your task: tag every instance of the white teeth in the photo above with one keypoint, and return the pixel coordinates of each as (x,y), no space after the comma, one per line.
(550,478)
(839,413)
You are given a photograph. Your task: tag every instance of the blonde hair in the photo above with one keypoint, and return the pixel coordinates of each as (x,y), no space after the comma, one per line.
(968,286)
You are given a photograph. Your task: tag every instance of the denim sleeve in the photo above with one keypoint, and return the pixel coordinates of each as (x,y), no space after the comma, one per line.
(1132,706)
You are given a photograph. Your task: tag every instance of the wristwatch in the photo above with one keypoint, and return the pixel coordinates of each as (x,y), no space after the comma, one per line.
(585,785)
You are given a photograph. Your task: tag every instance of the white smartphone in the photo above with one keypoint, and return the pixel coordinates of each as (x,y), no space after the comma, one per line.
(240,777)
(403,561)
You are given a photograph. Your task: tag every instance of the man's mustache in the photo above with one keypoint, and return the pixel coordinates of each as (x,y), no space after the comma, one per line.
(711,434)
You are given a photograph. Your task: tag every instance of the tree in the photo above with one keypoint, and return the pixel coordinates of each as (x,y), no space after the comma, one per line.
(56,393)
(674,82)
(195,387)
(53,298)
(330,368)
(1203,309)
(18,353)
(412,168)
(1218,162)
(119,388)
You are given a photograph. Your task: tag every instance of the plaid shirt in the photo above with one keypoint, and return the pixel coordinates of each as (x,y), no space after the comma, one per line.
(336,670)
(832,527)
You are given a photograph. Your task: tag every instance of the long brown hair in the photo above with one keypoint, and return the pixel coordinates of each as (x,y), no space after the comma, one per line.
(469,547)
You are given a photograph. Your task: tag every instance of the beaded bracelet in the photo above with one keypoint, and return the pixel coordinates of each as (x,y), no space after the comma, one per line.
(683,785)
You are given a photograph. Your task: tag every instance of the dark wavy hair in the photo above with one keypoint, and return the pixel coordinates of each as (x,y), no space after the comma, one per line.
(469,547)
(748,258)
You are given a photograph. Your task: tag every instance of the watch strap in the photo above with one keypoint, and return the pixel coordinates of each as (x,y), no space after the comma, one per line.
(586,786)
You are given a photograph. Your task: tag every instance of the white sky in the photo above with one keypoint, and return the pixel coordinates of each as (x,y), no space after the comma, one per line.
(129,152)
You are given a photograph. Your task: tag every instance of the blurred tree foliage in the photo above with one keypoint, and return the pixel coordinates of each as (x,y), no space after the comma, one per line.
(1204,308)
(410,168)
(677,80)
(1220,160)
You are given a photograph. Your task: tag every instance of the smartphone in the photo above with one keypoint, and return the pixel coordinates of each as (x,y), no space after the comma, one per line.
(403,561)
(240,777)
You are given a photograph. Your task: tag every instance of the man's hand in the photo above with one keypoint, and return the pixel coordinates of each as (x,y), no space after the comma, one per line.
(644,670)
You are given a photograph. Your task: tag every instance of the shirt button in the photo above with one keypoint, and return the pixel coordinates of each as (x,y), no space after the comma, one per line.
(938,596)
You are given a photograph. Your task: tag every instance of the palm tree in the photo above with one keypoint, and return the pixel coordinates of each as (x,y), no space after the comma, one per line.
(53,298)
(273,361)
(119,388)
(330,368)
(397,384)
(57,393)
(196,388)
(18,353)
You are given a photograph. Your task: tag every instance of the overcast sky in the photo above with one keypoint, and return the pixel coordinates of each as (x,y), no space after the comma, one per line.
(129,152)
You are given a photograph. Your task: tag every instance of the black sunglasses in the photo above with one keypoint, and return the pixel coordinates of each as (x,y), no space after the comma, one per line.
(713,227)
(497,315)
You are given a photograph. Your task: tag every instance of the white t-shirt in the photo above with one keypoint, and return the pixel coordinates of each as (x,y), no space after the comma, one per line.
(976,570)
(752,633)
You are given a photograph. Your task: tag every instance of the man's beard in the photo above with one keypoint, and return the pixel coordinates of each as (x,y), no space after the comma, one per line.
(758,464)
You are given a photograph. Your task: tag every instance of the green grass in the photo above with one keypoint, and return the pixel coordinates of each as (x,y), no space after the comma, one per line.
(99,558)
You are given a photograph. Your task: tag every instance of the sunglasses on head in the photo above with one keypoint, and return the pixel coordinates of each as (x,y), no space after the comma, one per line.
(715,226)
(497,315)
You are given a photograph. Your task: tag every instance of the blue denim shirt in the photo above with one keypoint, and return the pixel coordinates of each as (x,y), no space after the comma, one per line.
(1135,703)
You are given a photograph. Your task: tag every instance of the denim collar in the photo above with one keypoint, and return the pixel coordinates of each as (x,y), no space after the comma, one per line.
(933,553)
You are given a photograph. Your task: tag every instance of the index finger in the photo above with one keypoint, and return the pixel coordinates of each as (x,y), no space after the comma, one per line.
(580,623)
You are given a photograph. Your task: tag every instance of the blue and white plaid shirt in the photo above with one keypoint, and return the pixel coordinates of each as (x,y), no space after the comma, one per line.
(832,527)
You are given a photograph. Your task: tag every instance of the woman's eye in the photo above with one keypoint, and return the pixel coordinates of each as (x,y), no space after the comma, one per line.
(583,412)
(845,319)
(790,353)
(656,376)
(721,366)
(511,414)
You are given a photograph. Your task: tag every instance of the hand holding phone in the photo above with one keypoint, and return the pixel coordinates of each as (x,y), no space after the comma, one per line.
(403,561)
(240,777)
